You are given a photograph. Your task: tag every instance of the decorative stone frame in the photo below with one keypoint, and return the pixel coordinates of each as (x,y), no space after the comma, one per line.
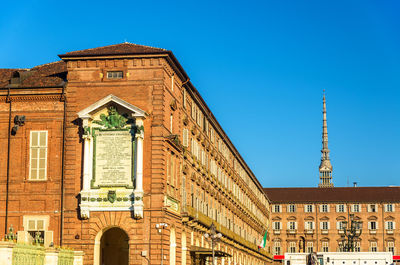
(126,198)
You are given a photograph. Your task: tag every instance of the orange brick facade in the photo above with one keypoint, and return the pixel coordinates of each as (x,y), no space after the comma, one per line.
(183,187)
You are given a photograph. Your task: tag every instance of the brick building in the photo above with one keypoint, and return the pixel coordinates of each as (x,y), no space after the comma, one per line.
(312,219)
(113,150)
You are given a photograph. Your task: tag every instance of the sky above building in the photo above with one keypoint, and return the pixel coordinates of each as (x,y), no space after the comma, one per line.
(261,66)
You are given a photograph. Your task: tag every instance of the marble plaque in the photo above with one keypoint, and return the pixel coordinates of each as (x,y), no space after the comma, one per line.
(113,158)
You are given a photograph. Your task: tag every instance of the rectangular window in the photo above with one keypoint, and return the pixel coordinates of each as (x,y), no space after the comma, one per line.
(356,208)
(292,225)
(340,208)
(291,208)
(277,225)
(38,155)
(373,225)
(325,225)
(115,74)
(277,208)
(389,208)
(374,247)
(325,246)
(277,248)
(390,247)
(390,225)
(292,247)
(185,137)
(340,225)
(324,208)
(36,227)
(372,208)
(308,208)
(357,247)
(310,247)
(310,225)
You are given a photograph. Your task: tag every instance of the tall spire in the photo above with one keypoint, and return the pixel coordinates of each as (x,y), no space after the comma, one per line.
(325,168)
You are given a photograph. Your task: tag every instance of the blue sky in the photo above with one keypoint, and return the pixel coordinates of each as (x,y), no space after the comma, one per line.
(261,66)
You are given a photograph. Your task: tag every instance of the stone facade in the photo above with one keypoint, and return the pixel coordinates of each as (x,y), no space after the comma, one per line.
(187,175)
(315,215)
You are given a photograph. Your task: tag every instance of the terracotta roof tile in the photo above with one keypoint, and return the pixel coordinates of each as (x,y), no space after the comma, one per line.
(338,194)
(116,49)
(47,75)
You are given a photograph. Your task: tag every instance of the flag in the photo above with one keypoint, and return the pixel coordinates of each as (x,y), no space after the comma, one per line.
(263,242)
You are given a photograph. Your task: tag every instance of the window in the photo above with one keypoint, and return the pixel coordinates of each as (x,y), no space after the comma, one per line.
(372,208)
(390,225)
(185,137)
(340,208)
(389,208)
(292,225)
(292,247)
(324,208)
(38,155)
(309,225)
(171,122)
(390,246)
(277,248)
(340,225)
(325,225)
(374,246)
(291,208)
(277,208)
(277,225)
(115,74)
(325,246)
(356,208)
(36,226)
(357,247)
(373,225)
(310,247)
(308,208)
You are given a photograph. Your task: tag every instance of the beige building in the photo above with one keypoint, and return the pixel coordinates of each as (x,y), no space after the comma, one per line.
(312,219)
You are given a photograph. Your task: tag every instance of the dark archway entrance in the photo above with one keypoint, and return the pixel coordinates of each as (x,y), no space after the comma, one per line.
(114,247)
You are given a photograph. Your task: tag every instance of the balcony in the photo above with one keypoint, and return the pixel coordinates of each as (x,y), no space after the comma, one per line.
(277,231)
(291,231)
(389,231)
(324,231)
(372,231)
(309,231)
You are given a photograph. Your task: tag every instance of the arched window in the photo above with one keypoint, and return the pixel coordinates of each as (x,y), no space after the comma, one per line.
(172,247)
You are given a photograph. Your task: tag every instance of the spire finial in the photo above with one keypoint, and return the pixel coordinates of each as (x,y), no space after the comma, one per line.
(325,168)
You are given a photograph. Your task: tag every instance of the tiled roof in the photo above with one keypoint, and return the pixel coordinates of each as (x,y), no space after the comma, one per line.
(116,49)
(339,194)
(47,75)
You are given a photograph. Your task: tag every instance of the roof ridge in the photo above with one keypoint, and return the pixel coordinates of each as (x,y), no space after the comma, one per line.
(134,44)
(45,64)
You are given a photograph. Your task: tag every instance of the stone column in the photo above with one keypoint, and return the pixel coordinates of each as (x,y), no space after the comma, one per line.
(138,192)
(86,155)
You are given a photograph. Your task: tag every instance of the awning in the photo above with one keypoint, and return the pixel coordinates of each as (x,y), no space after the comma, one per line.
(208,252)
(396,257)
(279,257)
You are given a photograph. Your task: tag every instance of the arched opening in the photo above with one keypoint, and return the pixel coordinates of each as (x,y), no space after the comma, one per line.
(114,247)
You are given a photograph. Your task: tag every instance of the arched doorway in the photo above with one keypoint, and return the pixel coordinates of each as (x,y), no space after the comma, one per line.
(114,247)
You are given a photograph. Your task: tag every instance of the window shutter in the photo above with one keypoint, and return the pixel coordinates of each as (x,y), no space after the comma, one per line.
(288,208)
(313,225)
(288,225)
(337,208)
(327,208)
(280,225)
(338,225)
(295,225)
(377,225)
(48,238)
(321,225)
(369,225)
(313,208)
(329,225)
(386,225)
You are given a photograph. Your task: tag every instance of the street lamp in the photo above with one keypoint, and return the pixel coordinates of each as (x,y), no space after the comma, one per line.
(160,228)
(352,231)
(214,237)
